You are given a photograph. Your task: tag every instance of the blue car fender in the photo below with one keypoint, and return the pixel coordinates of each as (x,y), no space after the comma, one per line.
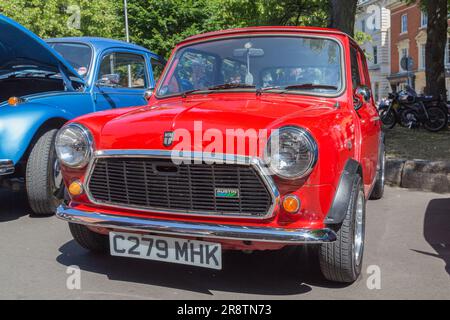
(19,126)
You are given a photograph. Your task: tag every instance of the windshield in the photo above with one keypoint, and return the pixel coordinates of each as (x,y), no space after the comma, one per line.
(78,55)
(298,64)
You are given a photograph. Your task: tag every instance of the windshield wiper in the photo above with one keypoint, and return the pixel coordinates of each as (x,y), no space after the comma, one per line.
(311,86)
(306,86)
(186,93)
(227,86)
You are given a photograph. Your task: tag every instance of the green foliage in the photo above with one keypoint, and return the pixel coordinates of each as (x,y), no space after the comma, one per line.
(243,13)
(49,18)
(160,24)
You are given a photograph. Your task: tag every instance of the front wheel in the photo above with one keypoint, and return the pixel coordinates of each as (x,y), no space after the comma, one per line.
(44,181)
(341,261)
(88,239)
(388,118)
(437,119)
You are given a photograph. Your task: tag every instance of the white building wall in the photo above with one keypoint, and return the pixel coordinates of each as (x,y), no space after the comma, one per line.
(377,20)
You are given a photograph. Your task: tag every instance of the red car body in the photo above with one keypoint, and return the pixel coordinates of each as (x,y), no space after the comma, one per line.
(349,142)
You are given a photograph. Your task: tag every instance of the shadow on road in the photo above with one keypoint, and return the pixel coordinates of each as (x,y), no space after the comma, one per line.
(279,273)
(13,205)
(436,230)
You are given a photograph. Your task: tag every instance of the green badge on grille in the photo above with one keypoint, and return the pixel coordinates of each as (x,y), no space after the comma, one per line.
(229,193)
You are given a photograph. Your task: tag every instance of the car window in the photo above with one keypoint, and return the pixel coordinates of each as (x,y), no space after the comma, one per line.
(194,70)
(123,70)
(308,65)
(78,55)
(356,75)
(365,71)
(233,71)
(157,67)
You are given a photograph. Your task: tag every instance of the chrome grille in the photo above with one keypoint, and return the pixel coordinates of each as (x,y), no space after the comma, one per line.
(160,185)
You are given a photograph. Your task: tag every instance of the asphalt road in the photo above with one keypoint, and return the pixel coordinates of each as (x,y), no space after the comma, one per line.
(408,239)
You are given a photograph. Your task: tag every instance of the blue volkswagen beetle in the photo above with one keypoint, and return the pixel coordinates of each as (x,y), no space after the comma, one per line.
(43,84)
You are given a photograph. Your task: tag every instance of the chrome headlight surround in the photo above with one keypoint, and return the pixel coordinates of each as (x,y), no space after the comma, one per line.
(74,146)
(295,145)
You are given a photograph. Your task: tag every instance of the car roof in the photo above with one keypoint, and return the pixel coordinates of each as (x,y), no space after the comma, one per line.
(237,31)
(101,43)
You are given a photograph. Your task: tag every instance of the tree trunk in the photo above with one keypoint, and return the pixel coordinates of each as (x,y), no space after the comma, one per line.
(435,48)
(341,15)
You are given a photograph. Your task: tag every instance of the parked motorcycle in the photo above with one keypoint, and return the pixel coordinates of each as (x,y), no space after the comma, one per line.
(412,111)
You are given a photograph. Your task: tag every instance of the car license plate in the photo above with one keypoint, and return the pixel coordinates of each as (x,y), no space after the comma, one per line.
(174,250)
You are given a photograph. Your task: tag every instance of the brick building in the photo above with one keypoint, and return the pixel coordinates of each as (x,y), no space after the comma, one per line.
(408,37)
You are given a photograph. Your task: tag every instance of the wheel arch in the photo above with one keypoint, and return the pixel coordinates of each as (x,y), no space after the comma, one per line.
(49,124)
(352,171)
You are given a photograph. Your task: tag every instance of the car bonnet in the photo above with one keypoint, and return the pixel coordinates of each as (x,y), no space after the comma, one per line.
(21,49)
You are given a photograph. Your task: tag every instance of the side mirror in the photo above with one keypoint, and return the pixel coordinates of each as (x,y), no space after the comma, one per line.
(148,93)
(362,95)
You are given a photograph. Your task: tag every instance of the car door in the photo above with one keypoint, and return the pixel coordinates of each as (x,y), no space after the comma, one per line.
(368,118)
(122,80)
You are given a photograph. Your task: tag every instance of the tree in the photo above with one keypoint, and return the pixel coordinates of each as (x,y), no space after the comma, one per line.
(341,15)
(160,24)
(435,47)
(244,13)
(52,18)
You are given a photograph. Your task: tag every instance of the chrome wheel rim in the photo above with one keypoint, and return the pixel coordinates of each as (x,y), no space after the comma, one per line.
(57,175)
(358,242)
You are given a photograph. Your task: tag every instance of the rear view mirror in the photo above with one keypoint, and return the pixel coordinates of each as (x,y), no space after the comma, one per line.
(252,52)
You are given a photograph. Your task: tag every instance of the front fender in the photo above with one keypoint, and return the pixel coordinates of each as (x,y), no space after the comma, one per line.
(18,126)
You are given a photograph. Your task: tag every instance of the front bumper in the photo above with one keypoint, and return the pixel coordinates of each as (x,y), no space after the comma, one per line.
(6,167)
(192,229)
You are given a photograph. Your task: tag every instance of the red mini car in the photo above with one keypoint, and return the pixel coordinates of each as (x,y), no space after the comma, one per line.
(254,139)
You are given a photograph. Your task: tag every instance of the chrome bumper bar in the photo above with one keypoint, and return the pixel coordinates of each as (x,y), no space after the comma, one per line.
(6,167)
(192,229)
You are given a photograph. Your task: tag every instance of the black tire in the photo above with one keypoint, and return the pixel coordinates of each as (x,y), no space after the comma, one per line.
(338,260)
(378,189)
(88,239)
(43,195)
(438,119)
(388,118)
(409,119)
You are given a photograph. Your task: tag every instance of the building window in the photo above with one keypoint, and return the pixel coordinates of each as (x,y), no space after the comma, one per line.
(375,55)
(423,52)
(424,19)
(403,53)
(404,28)
(377,92)
(363,25)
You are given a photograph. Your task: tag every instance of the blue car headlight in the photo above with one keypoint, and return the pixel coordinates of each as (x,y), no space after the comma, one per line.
(74,145)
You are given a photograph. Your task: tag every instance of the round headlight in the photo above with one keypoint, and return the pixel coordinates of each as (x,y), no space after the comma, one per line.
(291,153)
(74,145)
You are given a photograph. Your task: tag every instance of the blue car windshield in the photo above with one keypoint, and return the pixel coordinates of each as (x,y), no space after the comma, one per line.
(281,63)
(78,55)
